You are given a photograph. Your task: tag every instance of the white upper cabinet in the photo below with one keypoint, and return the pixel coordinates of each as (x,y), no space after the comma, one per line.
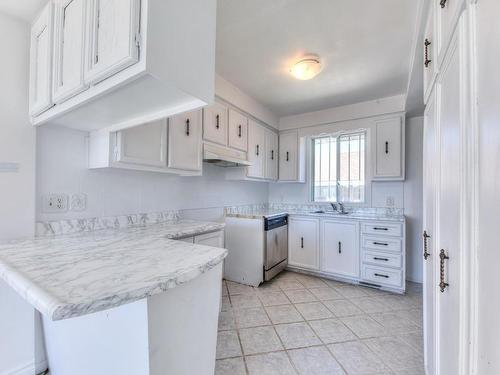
(144,145)
(215,124)
(389,149)
(447,13)
(238,130)
(291,157)
(340,248)
(256,150)
(303,237)
(430,47)
(271,158)
(184,141)
(140,60)
(113,43)
(41,62)
(69,48)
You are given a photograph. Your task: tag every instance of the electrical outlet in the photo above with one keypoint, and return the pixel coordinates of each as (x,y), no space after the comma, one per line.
(390,202)
(55,203)
(78,202)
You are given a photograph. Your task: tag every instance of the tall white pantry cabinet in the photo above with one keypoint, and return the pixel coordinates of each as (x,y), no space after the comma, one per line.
(449,178)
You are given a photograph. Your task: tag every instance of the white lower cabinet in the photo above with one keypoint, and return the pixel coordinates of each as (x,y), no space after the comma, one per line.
(303,238)
(215,239)
(340,248)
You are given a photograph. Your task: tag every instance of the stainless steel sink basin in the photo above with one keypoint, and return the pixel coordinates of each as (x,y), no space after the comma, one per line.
(322,212)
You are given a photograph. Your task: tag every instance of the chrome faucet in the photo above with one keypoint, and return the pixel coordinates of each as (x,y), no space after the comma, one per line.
(342,208)
(334,207)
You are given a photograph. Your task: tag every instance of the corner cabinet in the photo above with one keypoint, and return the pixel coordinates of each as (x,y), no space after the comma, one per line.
(389,149)
(303,240)
(291,157)
(340,247)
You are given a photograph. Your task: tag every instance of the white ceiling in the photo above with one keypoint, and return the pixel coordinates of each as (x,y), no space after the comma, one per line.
(22,9)
(365,46)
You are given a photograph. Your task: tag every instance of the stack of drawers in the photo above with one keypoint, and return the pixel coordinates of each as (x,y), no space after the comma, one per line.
(382,260)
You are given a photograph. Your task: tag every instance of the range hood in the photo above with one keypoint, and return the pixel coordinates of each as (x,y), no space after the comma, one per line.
(224,156)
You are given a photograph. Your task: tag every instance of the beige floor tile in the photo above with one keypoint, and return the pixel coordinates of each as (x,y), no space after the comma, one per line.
(276,363)
(411,371)
(342,307)
(357,358)
(311,281)
(224,288)
(315,361)
(245,301)
(236,289)
(332,331)
(269,286)
(371,305)
(313,310)
(333,283)
(297,335)
(289,284)
(415,316)
(228,345)
(226,320)
(300,296)
(259,340)
(364,326)
(272,298)
(252,317)
(283,314)
(230,366)
(400,302)
(395,323)
(397,354)
(374,292)
(415,340)
(351,291)
(226,304)
(325,294)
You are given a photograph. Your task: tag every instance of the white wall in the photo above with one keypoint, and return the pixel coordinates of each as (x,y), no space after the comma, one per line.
(17,189)
(62,168)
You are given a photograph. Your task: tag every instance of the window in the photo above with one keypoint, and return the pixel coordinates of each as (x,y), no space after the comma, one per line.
(339,168)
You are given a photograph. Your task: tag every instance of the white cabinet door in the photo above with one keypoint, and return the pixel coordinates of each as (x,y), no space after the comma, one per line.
(143,145)
(184,141)
(288,147)
(446,15)
(389,149)
(303,237)
(256,150)
(41,62)
(215,124)
(69,47)
(238,131)
(340,248)
(430,58)
(429,249)
(113,30)
(215,239)
(271,168)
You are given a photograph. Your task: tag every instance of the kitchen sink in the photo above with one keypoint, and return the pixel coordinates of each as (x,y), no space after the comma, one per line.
(329,212)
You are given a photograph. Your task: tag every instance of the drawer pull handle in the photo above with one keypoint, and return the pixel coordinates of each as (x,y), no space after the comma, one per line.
(287,156)
(386,147)
(378,228)
(239,131)
(272,154)
(302,242)
(384,259)
(443,3)
(187,127)
(217,118)
(427,43)
(442,258)
(381,243)
(340,247)
(426,246)
(380,275)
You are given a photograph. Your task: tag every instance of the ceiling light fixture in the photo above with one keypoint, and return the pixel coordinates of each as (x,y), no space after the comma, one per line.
(306,68)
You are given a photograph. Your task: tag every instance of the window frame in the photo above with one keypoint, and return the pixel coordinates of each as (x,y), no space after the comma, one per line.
(312,154)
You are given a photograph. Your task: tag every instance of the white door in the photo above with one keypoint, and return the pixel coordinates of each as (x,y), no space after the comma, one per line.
(238,131)
(69,47)
(445,17)
(256,150)
(215,239)
(271,168)
(288,147)
(113,33)
(340,248)
(143,145)
(448,328)
(184,141)
(215,124)
(430,58)
(429,251)
(388,149)
(41,62)
(303,236)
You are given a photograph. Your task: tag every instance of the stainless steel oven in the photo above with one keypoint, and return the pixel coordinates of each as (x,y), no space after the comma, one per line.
(276,246)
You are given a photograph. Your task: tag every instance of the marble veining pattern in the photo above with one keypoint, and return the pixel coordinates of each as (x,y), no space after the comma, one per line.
(73,275)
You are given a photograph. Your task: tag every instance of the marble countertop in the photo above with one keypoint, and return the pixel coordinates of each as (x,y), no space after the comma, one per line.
(73,275)
(353,216)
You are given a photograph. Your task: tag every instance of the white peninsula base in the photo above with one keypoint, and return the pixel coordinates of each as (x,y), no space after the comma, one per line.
(174,332)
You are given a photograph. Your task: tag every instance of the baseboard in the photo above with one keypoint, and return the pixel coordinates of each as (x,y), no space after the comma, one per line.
(27,369)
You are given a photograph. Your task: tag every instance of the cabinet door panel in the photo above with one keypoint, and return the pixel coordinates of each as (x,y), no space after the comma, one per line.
(238,131)
(340,248)
(288,144)
(69,49)
(41,62)
(184,141)
(303,243)
(144,144)
(215,124)
(256,149)
(388,149)
(430,58)
(113,27)
(271,168)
